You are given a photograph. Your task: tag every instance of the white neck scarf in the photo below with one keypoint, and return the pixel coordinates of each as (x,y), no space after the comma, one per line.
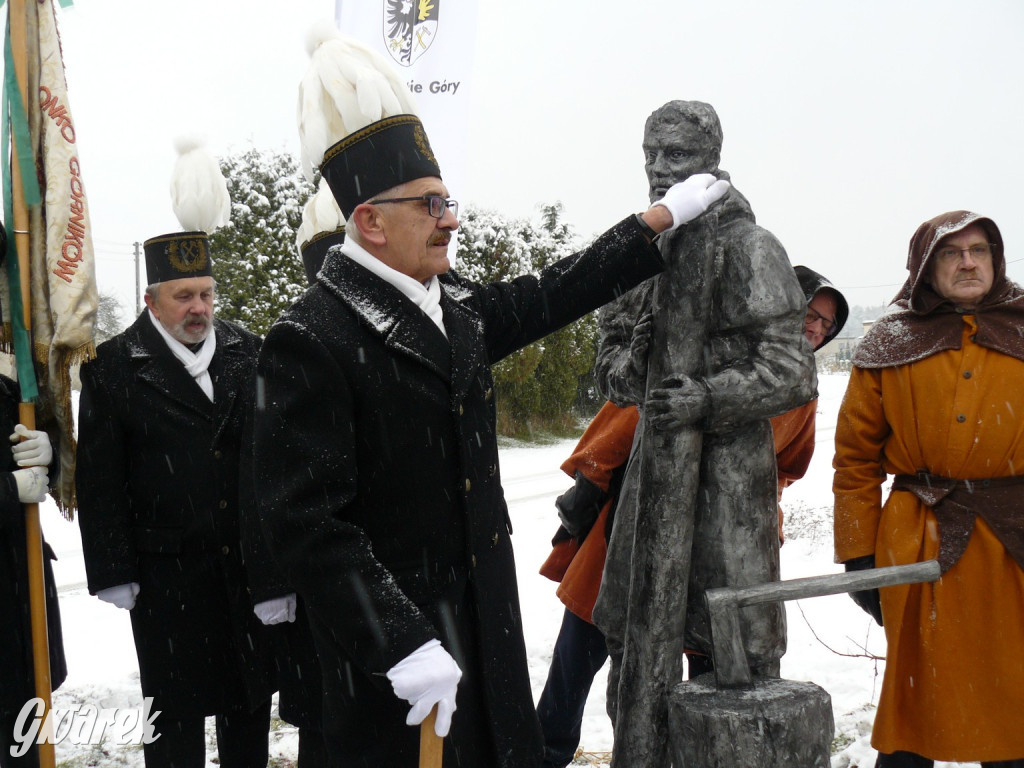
(196,363)
(427,297)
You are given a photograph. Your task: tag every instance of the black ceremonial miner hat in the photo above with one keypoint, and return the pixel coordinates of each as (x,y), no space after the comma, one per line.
(314,250)
(177,255)
(382,155)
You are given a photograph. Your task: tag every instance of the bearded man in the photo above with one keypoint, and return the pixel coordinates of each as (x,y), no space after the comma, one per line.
(162,413)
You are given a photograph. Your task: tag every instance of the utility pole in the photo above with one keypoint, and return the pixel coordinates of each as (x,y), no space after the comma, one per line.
(138,288)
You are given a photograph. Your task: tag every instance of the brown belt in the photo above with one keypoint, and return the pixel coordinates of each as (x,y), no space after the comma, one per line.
(998,500)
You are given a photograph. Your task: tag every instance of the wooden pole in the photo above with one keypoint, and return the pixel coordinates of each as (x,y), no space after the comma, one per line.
(26,410)
(431,745)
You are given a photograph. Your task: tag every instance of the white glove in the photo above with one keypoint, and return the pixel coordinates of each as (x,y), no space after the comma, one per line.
(32,483)
(427,676)
(689,198)
(277,610)
(123,595)
(34,451)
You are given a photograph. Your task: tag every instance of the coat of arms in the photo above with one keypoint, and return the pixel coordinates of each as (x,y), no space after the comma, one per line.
(410,26)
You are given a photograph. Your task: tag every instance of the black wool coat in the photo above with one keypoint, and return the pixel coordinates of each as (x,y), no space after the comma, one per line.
(17,680)
(158,493)
(376,464)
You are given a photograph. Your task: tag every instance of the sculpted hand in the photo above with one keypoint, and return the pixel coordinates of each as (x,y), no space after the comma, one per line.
(32,484)
(688,199)
(678,402)
(640,342)
(277,610)
(34,451)
(427,676)
(123,595)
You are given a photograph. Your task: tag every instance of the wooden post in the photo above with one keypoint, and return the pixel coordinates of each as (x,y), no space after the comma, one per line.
(26,410)
(652,661)
(431,745)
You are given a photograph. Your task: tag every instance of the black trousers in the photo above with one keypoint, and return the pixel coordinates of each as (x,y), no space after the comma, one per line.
(579,654)
(911,760)
(242,738)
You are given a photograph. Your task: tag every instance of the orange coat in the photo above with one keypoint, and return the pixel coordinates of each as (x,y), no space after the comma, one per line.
(605,446)
(793,432)
(953,688)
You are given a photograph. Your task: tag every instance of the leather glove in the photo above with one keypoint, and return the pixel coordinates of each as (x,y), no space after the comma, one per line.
(123,595)
(678,402)
(34,451)
(869,600)
(688,199)
(277,610)
(32,483)
(579,507)
(427,676)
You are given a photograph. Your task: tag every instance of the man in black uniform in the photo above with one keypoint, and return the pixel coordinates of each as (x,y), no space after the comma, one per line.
(376,457)
(162,413)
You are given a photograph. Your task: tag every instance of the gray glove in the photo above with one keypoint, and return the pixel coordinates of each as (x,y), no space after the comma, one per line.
(679,401)
(639,344)
(277,610)
(688,199)
(34,451)
(123,595)
(32,484)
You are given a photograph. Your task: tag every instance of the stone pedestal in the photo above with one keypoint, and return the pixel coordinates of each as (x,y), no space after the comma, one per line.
(775,724)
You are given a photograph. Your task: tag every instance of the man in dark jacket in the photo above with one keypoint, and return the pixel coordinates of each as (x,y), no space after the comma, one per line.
(377,460)
(23,480)
(162,414)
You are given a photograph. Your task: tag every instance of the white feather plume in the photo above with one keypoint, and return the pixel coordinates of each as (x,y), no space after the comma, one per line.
(347,86)
(320,214)
(199,191)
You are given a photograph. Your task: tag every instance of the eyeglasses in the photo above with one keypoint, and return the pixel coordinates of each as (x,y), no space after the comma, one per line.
(949,253)
(812,317)
(436,205)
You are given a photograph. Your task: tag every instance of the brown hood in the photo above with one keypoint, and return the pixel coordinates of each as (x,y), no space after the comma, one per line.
(917,295)
(920,322)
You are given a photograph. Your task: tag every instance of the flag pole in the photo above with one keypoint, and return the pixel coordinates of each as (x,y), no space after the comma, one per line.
(27,411)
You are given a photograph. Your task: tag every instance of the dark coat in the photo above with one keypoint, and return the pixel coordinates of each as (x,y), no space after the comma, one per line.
(17,681)
(158,493)
(377,469)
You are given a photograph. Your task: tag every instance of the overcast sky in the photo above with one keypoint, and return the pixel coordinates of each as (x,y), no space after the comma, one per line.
(846,124)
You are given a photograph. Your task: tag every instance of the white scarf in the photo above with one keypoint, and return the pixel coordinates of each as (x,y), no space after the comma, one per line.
(196,363)
(425,296)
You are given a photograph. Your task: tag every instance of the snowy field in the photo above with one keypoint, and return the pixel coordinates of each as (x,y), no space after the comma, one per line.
(831,641)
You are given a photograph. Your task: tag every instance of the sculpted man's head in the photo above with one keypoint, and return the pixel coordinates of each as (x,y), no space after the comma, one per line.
(681,138)
(184,307)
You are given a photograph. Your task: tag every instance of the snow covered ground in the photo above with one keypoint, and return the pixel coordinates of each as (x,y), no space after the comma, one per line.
(831,641)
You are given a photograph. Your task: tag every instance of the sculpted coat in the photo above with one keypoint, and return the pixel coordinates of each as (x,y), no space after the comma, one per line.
(758,365)
(158,492)
(377,467)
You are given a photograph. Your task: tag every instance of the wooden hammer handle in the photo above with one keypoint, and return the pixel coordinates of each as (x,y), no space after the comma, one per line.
(431,745)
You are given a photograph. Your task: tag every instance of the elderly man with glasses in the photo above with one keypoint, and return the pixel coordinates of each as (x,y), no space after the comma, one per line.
(376,455)
(935,399)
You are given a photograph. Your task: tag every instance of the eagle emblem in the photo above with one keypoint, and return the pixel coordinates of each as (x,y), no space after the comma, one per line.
(410,26)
